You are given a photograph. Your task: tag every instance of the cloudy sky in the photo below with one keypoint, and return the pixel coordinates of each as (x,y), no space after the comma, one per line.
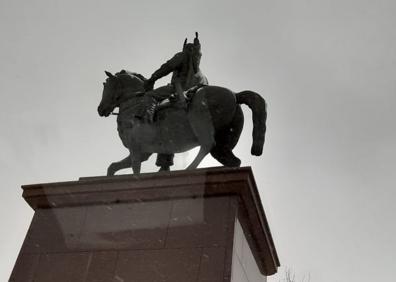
(327,69)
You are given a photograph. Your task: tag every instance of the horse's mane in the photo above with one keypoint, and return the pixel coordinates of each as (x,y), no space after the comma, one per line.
(138,75)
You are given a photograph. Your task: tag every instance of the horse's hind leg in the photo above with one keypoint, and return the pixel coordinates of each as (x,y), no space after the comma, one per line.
(202,126)
(225,156)
(203,151)
(116,166)
(164,161)
(226,140)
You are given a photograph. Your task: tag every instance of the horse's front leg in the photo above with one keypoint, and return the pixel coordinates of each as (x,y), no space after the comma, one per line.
(137,157)
(136,161)
(116,166)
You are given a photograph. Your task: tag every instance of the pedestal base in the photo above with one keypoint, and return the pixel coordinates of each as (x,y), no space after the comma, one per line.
(201,225)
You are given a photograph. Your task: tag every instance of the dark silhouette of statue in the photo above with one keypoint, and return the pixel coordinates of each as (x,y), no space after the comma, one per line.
(211,118)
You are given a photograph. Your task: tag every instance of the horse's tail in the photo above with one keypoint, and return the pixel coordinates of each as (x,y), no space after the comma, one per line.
(259,109)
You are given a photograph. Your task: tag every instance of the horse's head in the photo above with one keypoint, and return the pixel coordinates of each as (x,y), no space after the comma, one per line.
(115,87)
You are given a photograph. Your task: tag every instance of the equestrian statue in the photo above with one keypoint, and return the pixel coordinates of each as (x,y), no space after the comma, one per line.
(179,116)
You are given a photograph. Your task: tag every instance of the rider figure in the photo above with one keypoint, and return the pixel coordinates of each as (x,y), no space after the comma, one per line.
(186,74)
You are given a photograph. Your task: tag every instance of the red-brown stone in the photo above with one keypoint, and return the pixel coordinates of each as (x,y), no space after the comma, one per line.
(171,226)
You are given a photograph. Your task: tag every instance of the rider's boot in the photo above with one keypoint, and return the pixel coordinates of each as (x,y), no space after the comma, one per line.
(179,96)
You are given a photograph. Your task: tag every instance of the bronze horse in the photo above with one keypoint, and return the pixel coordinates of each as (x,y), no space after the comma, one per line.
(213,121)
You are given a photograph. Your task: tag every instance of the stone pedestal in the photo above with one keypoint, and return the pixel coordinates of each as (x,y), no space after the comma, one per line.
(200,225)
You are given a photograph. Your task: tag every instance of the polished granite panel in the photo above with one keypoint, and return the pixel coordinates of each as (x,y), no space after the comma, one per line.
(238,273)
(62,267)
(244,266)
(169,265)
(239,239)
(101,266)
(55,230)
(126,226)
(212,265)
(199,222)
(25,268)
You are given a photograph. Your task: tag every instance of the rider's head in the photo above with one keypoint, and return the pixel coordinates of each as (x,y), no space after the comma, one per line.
(193,50)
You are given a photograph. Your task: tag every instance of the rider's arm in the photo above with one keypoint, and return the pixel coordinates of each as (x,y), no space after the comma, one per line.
(168,67)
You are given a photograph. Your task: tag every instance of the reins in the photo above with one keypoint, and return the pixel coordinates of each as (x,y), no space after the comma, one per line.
(126,97)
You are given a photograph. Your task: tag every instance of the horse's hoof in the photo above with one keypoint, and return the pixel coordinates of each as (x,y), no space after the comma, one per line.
(164,168)
(110,171)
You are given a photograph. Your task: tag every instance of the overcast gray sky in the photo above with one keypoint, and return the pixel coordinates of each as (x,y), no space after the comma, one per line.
(326,68)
